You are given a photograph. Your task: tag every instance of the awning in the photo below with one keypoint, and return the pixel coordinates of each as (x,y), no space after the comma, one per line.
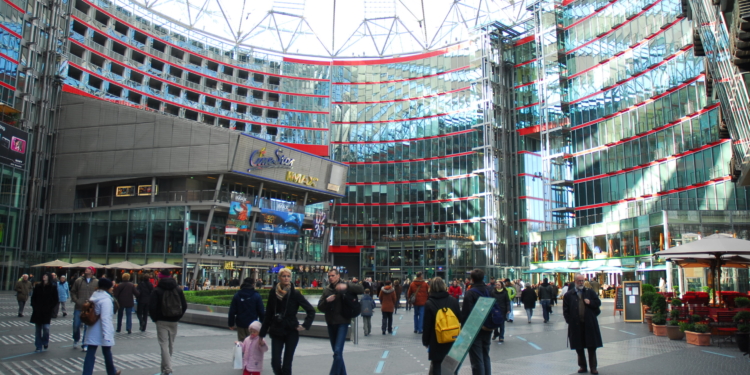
(658,267)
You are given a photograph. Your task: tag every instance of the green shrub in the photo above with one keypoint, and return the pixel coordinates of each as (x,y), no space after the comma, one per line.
(742,302)
(686,327)
(645,288)
(659,304)
(673,323)
(696,318)
(742,317)
(674,314)
(676,302)
(701,328)
(659,319)
(648,298)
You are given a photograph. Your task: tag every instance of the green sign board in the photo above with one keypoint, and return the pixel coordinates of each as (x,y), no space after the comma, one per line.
(469,332)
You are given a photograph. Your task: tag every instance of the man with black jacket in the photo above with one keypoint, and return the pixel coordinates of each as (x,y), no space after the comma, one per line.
(166,326)
(546,293)
(581,306)
(246,307)
(144,297)
(338,325)
(479,353)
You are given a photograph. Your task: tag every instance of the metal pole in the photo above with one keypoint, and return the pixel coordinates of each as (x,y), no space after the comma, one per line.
(153,188)
(252,225)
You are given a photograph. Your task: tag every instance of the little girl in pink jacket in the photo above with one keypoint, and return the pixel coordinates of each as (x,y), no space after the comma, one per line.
(252,351)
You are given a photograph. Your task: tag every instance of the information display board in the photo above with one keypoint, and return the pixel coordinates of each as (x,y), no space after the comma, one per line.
(632,301)
(469,331)
(618,301)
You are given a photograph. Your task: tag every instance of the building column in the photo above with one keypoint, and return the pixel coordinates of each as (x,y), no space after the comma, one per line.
(681,281)
(204,238)
(252,224)
(669,276)
(296,245)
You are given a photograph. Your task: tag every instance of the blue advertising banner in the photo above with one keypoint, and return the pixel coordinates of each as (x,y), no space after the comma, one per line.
(279,222)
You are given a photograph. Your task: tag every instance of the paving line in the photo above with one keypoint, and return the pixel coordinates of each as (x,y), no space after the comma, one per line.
(385,354)
(395,329)
(629,333)
(723,355)
(379,369)
(43,365)
(535,346)
(521,338)
(607,327)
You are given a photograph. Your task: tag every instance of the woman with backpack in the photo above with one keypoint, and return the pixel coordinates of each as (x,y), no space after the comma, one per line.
(281,321)
(102,332)
(439,307)
(44,298)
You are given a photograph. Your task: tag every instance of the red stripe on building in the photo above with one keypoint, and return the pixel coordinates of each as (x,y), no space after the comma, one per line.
(320,150)
(403,119)
(528,153)
(525,40)
(15,34)
(345,249)
(393,60)
(407,99)
(414,202)
(15,6)
(9,87)
(402,79)
(8,58)
(529,130)
(409,160)
(406,140)
(591,15)
(413,181)
(412,224)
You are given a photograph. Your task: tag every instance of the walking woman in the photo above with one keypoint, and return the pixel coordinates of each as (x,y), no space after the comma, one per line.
(397,287)
(407,283)
(102,333)
(438,299)
(528,298)
(281,321)
(124,292)
(43,301)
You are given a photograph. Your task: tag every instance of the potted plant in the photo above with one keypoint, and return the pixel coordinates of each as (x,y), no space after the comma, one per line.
(676,302)
(742,302)
(698,334)
(647,299)
(673,326)
(743,330)
(659,323)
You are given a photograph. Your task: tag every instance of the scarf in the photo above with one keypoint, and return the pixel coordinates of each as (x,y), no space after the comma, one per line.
(281,292)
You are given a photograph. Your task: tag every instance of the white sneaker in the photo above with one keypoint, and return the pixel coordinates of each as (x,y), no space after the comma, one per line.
(75,344)
(83,348)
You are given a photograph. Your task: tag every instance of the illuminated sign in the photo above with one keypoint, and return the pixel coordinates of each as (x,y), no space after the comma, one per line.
(146,190)
(259,160)
(229,265)
(125,191)
(299,178)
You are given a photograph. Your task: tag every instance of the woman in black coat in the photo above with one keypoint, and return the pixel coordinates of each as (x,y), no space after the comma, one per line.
(144,295)
(438,299)
(43,301)
(528,298)
(502,298)
(281,321)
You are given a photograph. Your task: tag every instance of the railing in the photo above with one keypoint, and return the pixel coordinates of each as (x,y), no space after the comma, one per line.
(427,237)
(640,208)
(183,196)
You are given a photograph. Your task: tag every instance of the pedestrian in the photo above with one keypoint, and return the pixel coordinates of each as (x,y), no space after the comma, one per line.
(331,303)
(388,302)
(398,290)
(281,322)
(528,298)
(144,296)
(455,290)
(518,287)
(555,293)
(545,296)
(80,292)
(420,290)
(407,285)
(511,289)
(63,293)
(43,301)
(594,286)
(166,308)
(246,307)
(581,306)
(124,293)
(101,333)
(502,297)
(368,306)
(23,289)
(439,299)
(253,348)
(479,353)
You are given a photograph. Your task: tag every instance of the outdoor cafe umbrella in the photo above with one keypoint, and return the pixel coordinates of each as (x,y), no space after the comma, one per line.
(126,265)
(54,263)
(719,246)
(159,265)
(85,264)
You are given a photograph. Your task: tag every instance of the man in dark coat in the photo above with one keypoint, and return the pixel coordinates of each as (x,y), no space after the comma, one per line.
(479,353)
(144,296)
(246,307)
(43,301)
(23,290)
(580,309)
(528,298)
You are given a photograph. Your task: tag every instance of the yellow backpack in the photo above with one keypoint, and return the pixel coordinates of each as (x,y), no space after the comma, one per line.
(447,326)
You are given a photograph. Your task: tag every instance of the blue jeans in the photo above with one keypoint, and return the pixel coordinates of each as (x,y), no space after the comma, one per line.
(479,354)
(337,335)
(77,328)
(109,363)
(42,336)
(545,309)
(418,318)
(128,320)
(500,331)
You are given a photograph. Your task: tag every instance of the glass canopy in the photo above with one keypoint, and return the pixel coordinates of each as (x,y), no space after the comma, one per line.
(340,28)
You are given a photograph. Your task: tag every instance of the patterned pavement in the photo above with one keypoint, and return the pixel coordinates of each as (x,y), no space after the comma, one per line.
(528,349)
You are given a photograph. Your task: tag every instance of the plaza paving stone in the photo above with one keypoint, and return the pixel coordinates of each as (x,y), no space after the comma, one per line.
(535,348)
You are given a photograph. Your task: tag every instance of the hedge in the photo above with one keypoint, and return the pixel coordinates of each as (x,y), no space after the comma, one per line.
(223,297)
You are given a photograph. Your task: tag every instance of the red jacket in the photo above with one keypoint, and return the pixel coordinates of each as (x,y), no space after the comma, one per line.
(454,291)
(423,291)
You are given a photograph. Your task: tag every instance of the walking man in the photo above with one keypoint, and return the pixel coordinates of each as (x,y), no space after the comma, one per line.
(63,293)
(546,293)
(580,309)
(81,291)
(420,290)
(331,303)
(387,305)
(144,297)
(246,307)
(23,289)
(166,307)
(479,353)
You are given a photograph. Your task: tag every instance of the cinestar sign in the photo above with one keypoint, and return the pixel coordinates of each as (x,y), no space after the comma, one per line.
(259,160)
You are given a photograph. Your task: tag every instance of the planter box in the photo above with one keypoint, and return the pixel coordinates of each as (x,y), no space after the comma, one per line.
(700,339)
(674,333)
(660,330)
(647,319)
(743,341)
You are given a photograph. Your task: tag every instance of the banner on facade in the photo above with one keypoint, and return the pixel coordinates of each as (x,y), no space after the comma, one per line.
(279,222)
(12,145)
(239,214)
(320,224)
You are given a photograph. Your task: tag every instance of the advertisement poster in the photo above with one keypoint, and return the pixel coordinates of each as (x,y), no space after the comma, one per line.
(239,214)
(279,222)
(320,224)
(12,145)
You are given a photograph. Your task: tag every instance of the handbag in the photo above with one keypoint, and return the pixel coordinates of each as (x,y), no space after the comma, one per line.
(238,357)
(413,297)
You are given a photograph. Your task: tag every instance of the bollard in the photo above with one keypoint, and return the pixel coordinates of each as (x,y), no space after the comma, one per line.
(355,334)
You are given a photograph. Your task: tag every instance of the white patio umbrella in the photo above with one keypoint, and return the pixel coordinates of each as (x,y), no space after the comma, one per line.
(125,265)
(85,264)
(159,265)
(54,263)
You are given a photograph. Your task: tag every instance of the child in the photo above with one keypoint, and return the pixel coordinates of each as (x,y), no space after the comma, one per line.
(368,305)
(252,351)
